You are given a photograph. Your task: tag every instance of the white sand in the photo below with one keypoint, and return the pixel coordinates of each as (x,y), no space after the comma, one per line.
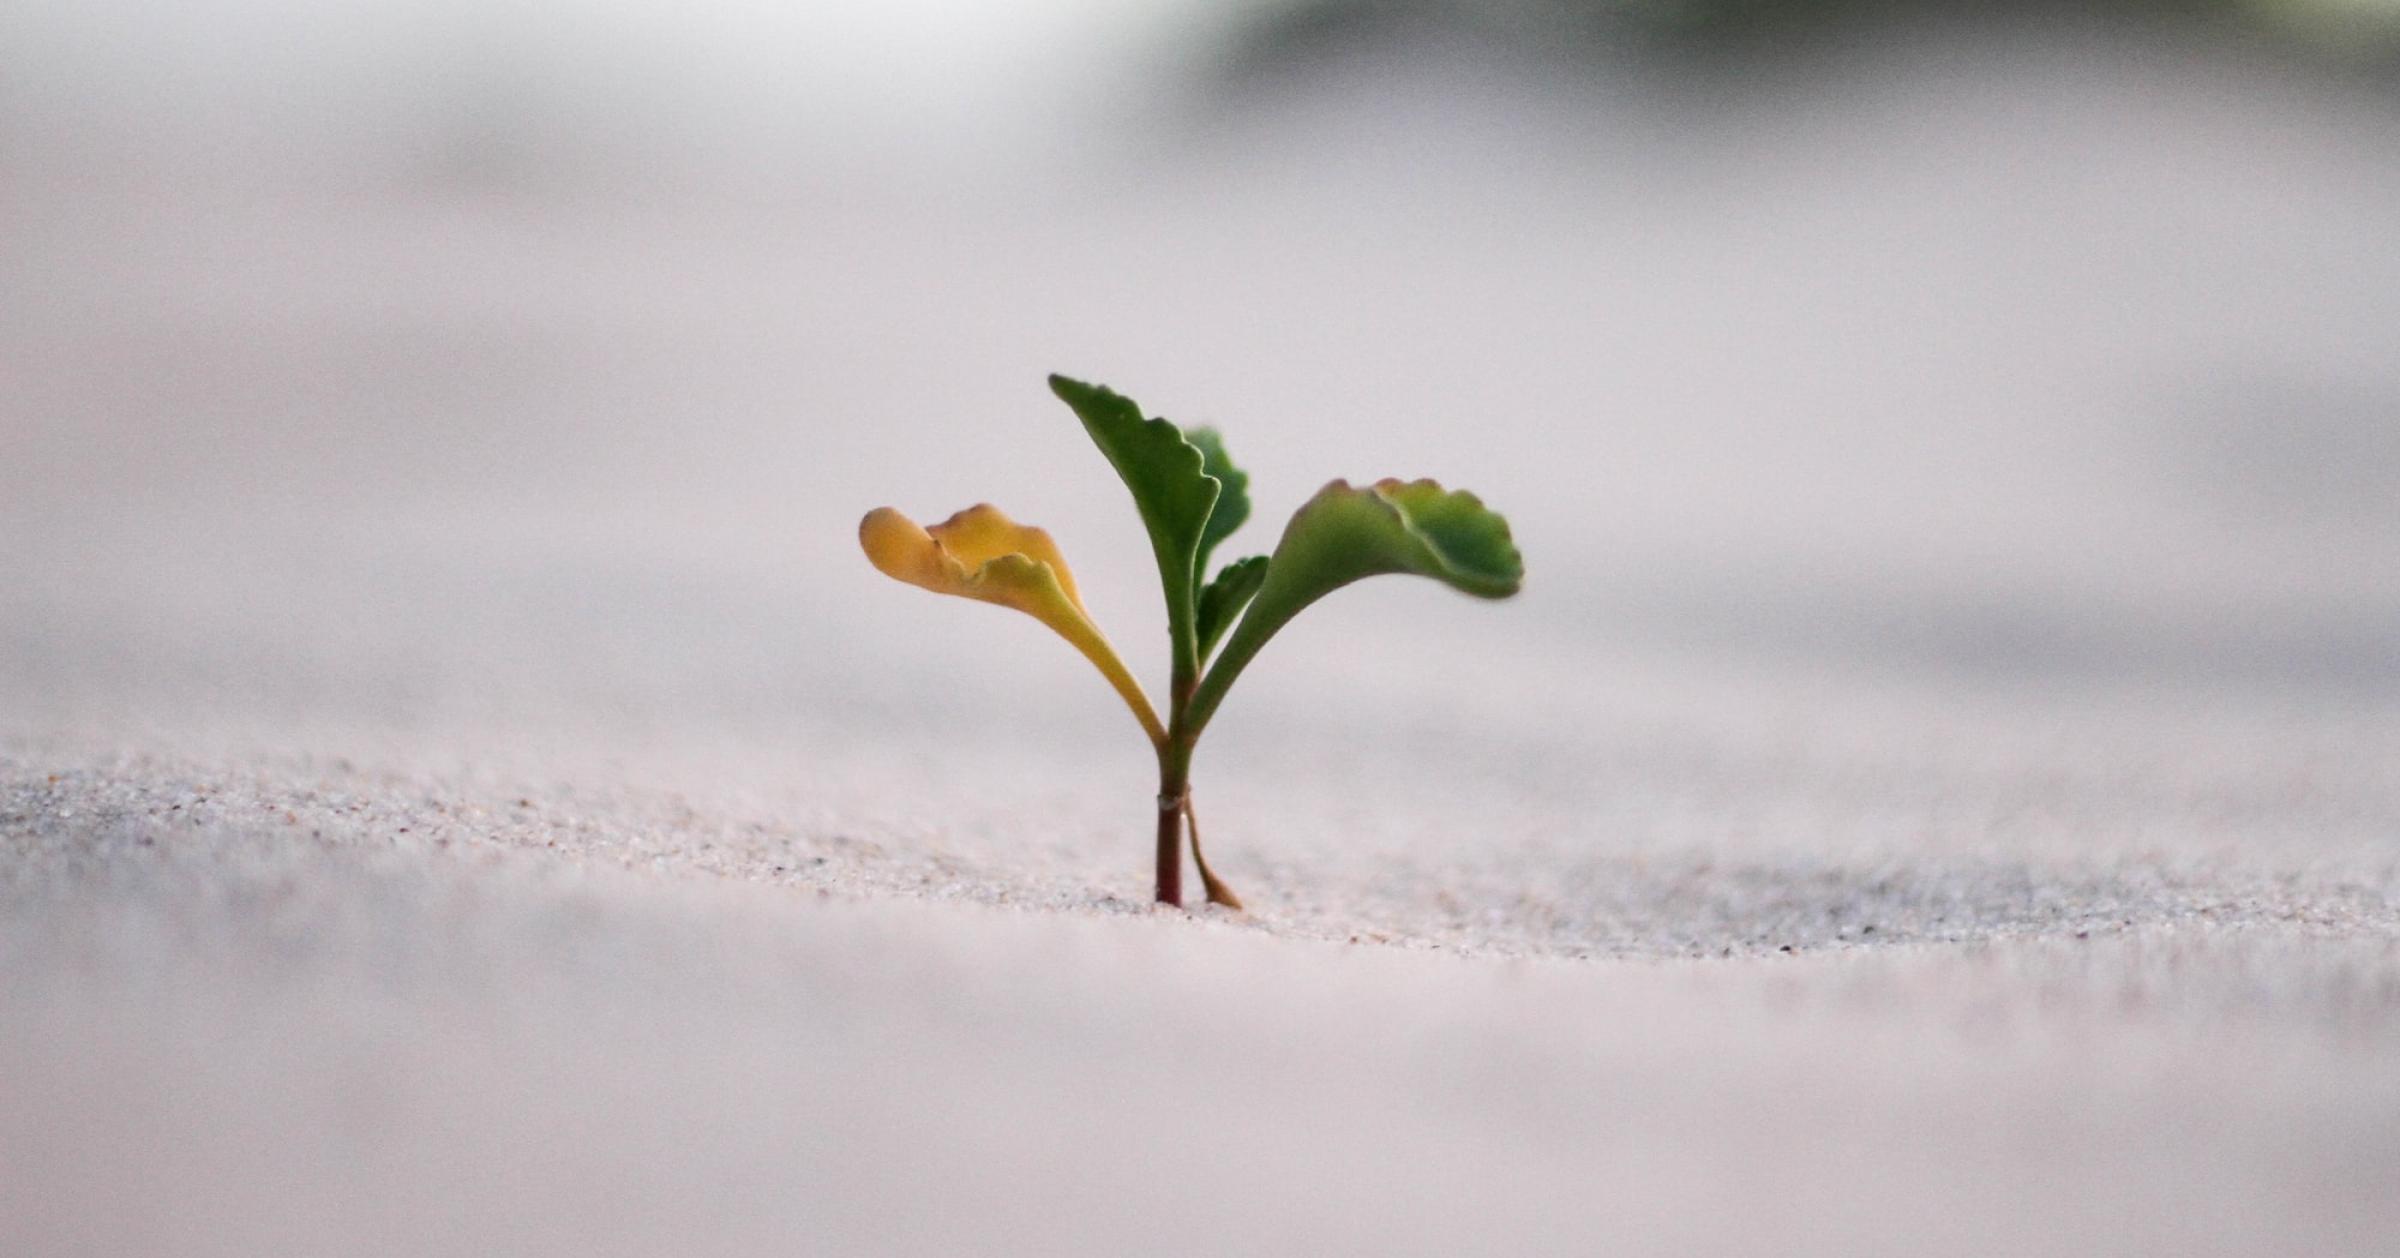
(460,792)
(276,1005)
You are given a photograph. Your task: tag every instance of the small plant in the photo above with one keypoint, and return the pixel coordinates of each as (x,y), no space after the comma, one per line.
(1191,497)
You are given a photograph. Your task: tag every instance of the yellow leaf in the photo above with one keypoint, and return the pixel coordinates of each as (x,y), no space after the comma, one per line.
(982,554)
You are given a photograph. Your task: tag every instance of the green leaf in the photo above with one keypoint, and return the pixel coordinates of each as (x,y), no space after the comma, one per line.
(1465,544)
(1226,596)
(1346,533)
(1170,488)
(1233,505)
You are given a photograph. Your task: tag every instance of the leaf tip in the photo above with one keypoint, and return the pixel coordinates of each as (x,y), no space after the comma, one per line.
(895,544)
(1067,388)
(1471,540)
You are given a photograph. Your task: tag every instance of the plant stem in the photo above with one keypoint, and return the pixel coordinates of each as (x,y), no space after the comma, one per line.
(1194,708)
(1174,795)
(1170,843)
(1218,892)
(1175,750)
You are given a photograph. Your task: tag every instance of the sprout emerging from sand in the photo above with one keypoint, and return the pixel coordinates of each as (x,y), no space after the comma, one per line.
(1191,497)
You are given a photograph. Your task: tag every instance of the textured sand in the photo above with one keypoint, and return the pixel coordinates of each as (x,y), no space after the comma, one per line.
(274,1004)
(460,791)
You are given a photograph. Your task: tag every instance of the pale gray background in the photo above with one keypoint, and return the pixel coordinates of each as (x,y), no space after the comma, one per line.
(461,790)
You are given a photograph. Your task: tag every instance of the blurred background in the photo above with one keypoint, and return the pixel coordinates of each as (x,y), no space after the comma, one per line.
(424,359)
(1954,448)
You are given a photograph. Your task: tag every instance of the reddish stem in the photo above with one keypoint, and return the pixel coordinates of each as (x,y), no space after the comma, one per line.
(1170,845)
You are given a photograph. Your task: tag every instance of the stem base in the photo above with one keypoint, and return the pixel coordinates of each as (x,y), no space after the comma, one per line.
(1170,847)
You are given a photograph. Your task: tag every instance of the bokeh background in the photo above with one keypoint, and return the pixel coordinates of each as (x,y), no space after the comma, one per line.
(462,791)
(370,348)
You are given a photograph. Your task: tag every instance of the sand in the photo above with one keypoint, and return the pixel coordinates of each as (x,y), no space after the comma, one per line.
(461,791)
(278,1003)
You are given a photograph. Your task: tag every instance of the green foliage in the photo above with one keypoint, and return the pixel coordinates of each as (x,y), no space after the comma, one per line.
(1347,533)
(1191,497)
(1171,490)
(1225,597)
(1233,504)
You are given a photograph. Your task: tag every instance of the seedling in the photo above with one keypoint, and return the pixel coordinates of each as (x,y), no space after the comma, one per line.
(1191,497)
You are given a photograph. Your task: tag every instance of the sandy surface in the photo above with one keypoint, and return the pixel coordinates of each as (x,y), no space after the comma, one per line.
(276,1001)
(460,791)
